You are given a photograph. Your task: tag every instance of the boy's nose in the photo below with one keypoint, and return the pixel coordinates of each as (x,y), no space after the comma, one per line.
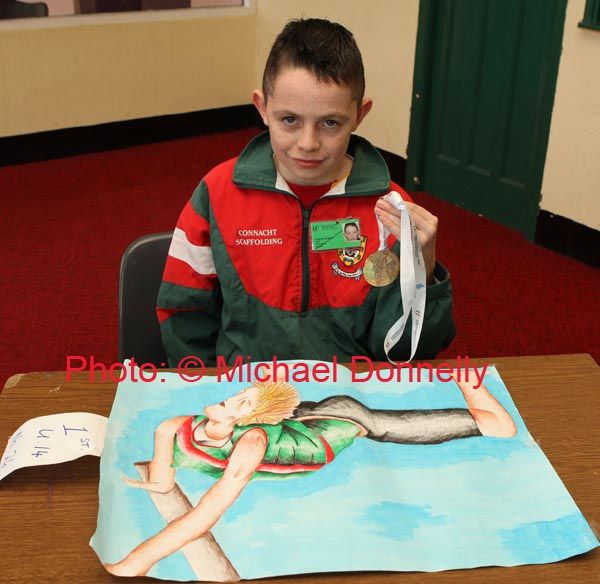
(309,140)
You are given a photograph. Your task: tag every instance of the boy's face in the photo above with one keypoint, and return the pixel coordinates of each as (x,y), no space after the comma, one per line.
(233,408)
(310,123)
(351,232)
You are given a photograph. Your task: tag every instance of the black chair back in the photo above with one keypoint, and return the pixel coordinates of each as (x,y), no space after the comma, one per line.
(142,267)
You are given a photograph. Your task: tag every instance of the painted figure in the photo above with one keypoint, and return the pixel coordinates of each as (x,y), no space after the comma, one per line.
(266,430)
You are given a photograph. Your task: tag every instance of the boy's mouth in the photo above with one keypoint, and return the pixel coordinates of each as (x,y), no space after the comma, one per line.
(307,163)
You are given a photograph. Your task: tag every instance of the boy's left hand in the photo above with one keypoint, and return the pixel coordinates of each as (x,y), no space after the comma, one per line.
(425,222)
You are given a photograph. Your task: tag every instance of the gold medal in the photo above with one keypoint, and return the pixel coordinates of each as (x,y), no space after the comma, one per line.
(381,268)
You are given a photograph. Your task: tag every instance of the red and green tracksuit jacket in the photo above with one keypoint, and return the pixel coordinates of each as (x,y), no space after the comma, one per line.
(241,279)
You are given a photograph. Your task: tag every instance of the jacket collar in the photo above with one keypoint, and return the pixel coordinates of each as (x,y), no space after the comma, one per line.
(369,175)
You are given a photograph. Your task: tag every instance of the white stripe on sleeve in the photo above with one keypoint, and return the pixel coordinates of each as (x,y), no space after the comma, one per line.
(199,257)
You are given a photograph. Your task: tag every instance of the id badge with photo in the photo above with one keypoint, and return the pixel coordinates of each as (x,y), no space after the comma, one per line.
(340,234)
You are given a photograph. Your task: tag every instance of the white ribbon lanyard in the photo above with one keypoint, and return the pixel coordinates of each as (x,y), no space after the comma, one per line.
(412,277)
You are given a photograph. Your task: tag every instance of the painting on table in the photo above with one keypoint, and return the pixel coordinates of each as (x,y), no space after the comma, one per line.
(236,478)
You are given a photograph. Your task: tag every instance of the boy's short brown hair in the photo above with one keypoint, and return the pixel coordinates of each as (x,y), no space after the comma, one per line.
(325,48)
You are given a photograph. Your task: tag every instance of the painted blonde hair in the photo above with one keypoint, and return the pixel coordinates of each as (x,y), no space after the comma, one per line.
(277,401)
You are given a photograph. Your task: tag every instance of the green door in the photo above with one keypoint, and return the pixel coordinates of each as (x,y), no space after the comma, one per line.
(485,76)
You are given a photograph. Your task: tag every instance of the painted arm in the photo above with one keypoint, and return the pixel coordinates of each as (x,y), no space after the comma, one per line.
(247,455)
(161,474)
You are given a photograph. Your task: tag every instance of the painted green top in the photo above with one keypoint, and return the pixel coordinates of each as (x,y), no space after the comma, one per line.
(293,447)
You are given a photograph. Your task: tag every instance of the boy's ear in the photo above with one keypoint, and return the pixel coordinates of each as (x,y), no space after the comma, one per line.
(260,104)
(364,109)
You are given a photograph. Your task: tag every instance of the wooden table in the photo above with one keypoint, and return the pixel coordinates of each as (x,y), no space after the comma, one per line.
(48,514)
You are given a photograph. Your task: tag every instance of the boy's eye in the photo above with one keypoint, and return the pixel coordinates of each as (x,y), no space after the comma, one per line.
(331,123)
(289,120)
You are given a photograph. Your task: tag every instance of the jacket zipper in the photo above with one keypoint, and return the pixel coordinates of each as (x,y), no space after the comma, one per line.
(305,260)
(305,253)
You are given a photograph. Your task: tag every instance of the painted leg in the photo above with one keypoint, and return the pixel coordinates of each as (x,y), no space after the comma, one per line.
(489,414)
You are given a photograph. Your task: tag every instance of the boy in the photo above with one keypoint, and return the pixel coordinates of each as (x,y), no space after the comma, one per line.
(251,434)
(241,278)
(351,232)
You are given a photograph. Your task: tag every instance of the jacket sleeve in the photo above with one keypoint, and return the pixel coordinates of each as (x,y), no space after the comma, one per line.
(438,327)
(189,299)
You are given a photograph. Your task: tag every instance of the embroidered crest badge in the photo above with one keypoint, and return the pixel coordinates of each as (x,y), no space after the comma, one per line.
(350,256)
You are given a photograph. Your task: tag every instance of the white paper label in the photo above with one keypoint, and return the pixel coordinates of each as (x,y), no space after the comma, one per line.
(52,439)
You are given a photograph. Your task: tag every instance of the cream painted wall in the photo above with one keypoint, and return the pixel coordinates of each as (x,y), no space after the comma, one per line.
(63,73)
(117,67)
(571,185)
(385,31)
(73,71)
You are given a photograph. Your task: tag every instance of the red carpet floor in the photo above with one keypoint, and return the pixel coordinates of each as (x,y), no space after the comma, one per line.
(66,223)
